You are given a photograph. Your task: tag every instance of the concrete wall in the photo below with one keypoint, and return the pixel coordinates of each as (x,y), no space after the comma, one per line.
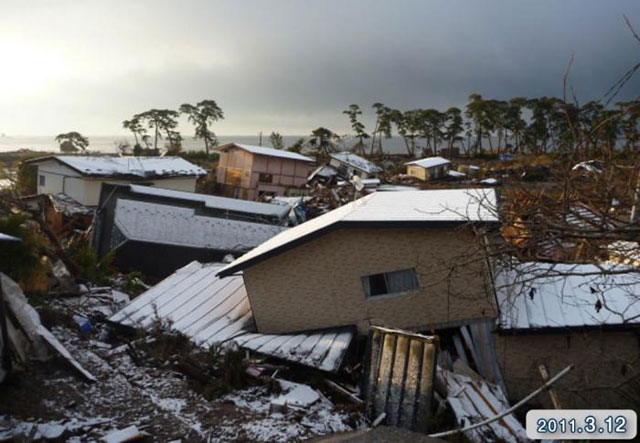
(318,284)
(605,362)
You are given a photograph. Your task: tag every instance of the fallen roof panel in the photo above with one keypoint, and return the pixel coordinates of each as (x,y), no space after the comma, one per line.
(357,162)
(209,310)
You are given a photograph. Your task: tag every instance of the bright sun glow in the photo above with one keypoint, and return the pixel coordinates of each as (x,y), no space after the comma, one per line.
(25,70)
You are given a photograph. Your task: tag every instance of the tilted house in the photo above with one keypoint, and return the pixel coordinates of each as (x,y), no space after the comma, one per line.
(560,314)
(249,172)
(81,177)
(157,231)
(407,260)
(430,168)
(348,164)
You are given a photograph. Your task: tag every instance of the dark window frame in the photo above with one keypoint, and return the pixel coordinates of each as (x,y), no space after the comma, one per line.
(265,177)
(378,285)
(41,180)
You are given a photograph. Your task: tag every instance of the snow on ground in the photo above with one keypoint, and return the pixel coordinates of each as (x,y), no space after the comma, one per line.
(321,418)
(155,398)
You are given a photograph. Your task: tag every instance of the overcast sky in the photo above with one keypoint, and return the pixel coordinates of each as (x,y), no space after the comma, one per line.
(291,66)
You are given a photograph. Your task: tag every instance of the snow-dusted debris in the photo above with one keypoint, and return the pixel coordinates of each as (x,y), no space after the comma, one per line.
(175,225)
(543,295)
(355,161)
(210,309)
(417,207)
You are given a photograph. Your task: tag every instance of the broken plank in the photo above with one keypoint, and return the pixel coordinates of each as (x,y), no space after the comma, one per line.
(60,349)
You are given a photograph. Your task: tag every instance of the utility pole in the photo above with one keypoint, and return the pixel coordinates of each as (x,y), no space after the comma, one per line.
(260,142)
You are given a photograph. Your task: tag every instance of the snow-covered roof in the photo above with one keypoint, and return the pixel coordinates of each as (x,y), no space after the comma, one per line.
(146,167)
(209,310)
(429,162)
(384,208)
(357,162)
(174,225)
(262,150)
(215,202)
(544,295)
(6,237)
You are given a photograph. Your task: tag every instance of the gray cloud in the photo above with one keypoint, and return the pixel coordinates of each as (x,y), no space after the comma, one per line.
(291,66)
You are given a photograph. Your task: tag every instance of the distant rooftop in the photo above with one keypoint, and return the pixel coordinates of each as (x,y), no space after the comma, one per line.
(415,208)
(262,150)
(216,202)
(357,162)
(107,166)
(429,162)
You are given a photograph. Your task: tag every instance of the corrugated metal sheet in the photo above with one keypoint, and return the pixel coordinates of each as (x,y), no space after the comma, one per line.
(212,310)
(543,295)
(401,377)
(446,205)
(473,401)
(176,225)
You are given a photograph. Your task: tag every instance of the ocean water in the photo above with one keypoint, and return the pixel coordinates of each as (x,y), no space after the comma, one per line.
(107,143)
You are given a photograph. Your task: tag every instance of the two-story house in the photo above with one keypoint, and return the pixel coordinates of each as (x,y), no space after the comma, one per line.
(249,172)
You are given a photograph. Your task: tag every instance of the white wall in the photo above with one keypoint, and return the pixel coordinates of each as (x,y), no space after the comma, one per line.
(86,190)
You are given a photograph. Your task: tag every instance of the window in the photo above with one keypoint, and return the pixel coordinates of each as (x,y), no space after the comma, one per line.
(390,282)
(41,180)
(265,178)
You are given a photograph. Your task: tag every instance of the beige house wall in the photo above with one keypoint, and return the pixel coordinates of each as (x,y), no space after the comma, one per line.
(318,284)
(604,362)
(240,170)
(417,171)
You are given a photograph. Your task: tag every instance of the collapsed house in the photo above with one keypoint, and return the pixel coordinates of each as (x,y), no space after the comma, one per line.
(250,172)
(553,315)
(81,177)
(430,168)
(407,260)
(62,213)
(157,231)
(348,164)
(211,311)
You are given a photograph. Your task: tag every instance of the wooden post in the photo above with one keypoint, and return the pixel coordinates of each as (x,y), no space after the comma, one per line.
(554,396)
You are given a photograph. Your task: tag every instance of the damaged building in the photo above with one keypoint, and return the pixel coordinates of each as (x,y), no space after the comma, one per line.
(348,164)
(408,260)
(250,172)
(81,177)
(156,231)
